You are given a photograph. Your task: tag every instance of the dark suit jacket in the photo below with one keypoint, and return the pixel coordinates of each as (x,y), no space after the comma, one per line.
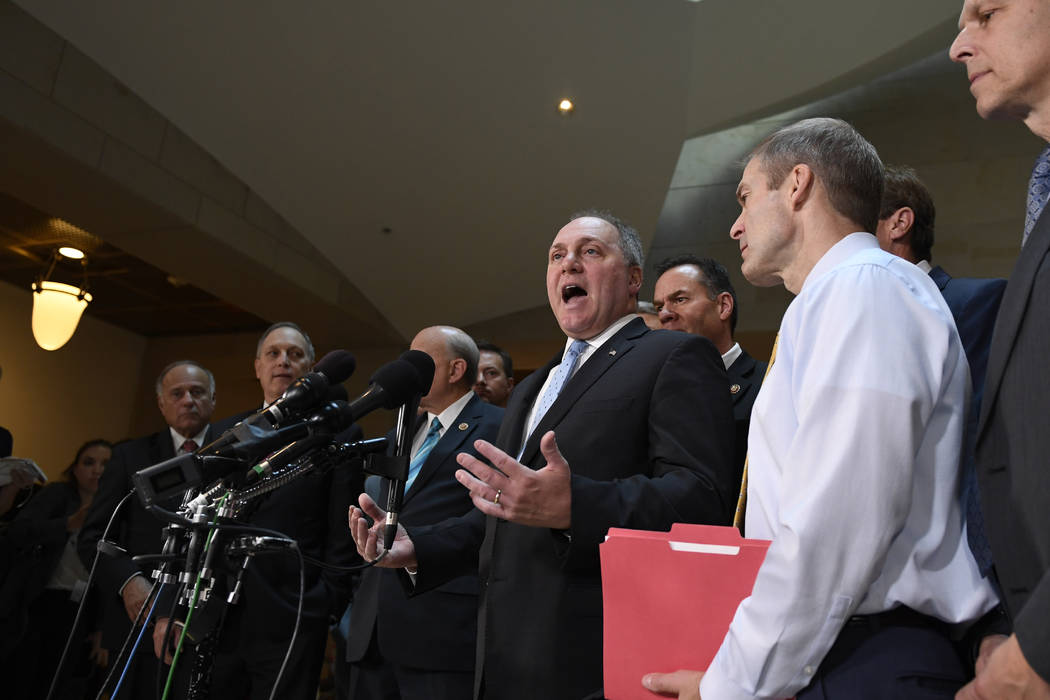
(311,509)
(434,630)
(135,530)
(646,426)
(974,303)
(1013,448)
(745,379)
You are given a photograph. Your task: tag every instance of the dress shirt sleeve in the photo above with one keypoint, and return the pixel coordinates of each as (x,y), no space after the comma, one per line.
(857,376)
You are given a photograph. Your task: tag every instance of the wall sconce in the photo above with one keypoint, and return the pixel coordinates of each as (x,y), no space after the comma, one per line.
(57,307)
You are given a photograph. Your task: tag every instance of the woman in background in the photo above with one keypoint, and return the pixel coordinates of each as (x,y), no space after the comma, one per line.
(40,596)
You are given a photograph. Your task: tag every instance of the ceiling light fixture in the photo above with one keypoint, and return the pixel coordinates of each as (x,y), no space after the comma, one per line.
(70,252)
(566,107)
(57,307)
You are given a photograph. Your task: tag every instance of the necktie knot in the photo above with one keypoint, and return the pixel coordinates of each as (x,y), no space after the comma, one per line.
(189,446)
(1038,192)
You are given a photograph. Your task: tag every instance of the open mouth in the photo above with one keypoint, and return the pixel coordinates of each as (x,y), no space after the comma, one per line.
(570,291)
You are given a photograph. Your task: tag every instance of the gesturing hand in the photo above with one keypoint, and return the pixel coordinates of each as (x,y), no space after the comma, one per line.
(369,539)
(514,492)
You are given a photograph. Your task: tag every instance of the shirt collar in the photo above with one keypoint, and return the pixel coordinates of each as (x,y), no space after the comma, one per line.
(598,340)
(449,414)
(177,439)
(731,355)
(924,265)
(843,250)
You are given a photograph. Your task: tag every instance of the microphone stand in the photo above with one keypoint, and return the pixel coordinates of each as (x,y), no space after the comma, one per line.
(406,418)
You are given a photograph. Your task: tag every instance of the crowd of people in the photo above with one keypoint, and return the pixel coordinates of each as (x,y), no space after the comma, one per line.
(889,450)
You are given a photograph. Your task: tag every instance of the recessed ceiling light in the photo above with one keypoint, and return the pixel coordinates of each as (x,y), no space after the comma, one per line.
(566,107)
(71,252)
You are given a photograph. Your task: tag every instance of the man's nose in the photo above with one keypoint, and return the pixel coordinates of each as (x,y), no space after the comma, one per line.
(665,314)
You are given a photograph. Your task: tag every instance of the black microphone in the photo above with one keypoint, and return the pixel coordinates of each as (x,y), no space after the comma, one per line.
(334,368)
(395,383)
(423,366)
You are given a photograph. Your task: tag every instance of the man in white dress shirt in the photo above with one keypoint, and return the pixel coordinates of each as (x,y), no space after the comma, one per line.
(854,448)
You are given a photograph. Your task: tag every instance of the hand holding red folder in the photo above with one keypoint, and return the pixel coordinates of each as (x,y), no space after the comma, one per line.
(669,598)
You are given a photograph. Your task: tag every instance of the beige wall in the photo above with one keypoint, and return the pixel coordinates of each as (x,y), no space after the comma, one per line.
(52,402)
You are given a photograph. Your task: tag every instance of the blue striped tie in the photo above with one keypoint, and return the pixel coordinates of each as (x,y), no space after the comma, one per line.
(561,375)
(424,451)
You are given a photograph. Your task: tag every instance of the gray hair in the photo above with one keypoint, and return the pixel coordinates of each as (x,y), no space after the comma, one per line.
(845,162)
(630,243)
(159,386)
(462,346)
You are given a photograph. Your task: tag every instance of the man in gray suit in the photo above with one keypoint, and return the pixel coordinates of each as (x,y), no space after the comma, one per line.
(1007,59)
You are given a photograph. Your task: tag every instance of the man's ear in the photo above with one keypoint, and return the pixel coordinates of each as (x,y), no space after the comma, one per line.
(634,280)
(802,182)
(459,369)
(725,305)
(901,222)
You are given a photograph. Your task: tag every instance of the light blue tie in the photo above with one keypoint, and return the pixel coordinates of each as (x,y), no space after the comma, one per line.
(1038,192)
(424,450)
(561,375)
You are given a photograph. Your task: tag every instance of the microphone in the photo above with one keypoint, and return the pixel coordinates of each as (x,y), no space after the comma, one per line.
(320,384)
(423,366)
(395,383)
(334,368)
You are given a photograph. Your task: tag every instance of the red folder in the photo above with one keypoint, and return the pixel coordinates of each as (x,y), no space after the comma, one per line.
(669,598)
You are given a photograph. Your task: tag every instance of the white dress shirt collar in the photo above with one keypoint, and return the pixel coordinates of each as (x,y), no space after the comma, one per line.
(731,355)
(177,439)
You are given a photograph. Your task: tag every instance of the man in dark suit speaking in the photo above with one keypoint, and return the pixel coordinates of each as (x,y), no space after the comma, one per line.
(626,427)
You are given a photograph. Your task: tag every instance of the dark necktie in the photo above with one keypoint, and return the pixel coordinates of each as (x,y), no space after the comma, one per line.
(1038,192)
(188,447)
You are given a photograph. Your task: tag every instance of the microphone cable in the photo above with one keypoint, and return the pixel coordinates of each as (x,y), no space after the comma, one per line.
(83,600)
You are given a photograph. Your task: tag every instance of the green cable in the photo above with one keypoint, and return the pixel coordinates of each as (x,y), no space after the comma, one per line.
(193,599)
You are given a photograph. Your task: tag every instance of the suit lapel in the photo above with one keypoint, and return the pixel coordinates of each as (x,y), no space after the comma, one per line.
(448,446)
(1012,310)
(597,364)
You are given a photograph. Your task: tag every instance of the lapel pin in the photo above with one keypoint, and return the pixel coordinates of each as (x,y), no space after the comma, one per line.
(463,426)
(734,389)
(612,353)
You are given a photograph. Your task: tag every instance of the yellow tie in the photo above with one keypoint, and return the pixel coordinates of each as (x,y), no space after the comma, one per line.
(741,501)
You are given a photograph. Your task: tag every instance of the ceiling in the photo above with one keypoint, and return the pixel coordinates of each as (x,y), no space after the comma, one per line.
(417,147)
(126,291)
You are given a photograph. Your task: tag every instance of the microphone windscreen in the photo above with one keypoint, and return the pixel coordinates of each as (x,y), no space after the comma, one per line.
(399,382)
(336,392)
(424,366)
(336,366)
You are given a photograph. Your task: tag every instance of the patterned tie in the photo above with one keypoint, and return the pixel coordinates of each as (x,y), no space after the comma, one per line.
(1038,192)
(188,447)
(741,501)
(424,450)
(561,375)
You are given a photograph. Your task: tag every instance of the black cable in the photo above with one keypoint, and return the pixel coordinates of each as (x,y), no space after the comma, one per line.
(167,640)
(83,600)
(298,618)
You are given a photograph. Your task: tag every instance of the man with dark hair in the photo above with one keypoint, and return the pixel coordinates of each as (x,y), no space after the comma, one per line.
(423,646)
(854,447)
(644,439)
(1007,57)
(495,375)
(695,295)
(186,399)
(906,227)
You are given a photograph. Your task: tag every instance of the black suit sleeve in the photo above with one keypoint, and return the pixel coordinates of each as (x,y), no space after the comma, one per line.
(689,473)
